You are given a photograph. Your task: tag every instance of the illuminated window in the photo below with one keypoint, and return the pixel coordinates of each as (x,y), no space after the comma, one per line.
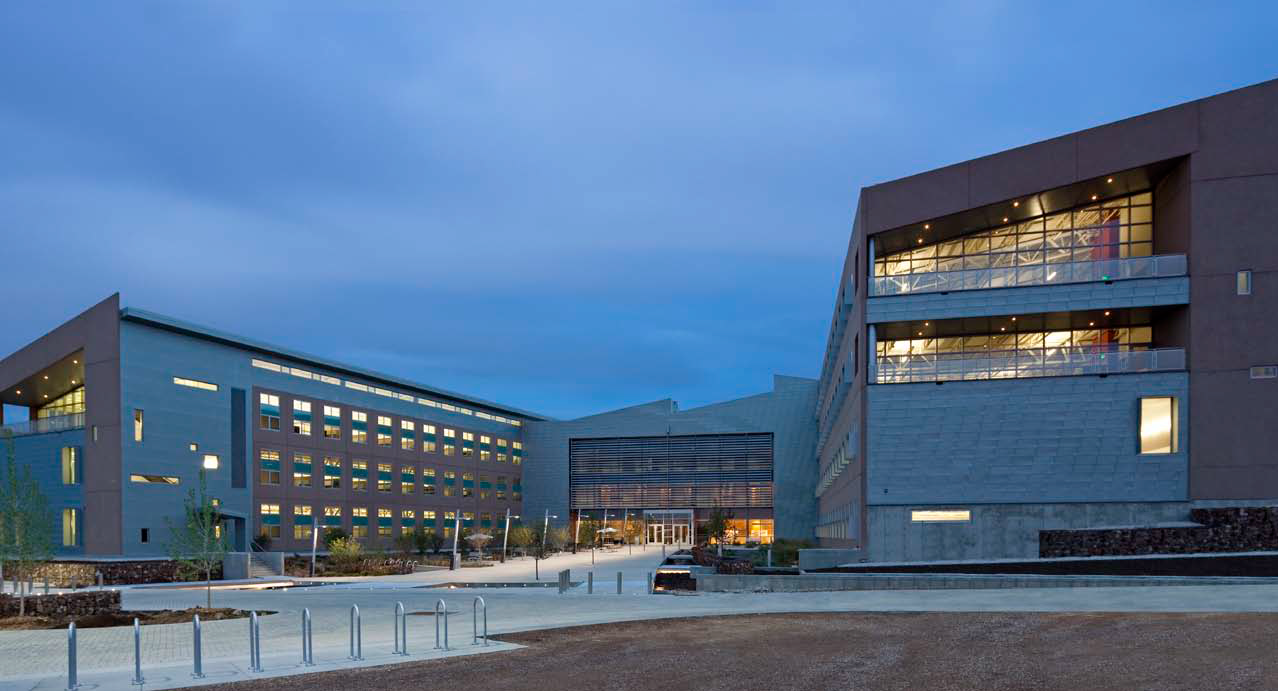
(332,422)
(70,465)
(501,487)
(485,447)
(1244,282)
(359,476)
(269,411)
(384,477)
(407,435)
(211,461)
(154,479)
(450,442)
(268,472)
(137,424)
(302,418)
(449,518)
(428,480)
(333,516)
(468,444)
(502,450)
(195,384)
(485,487)
(269,516)
(66,404)
(941,516)
(359,427)
(407,479)
(332,472)
(1158,425)
(70,527)
(384,522)
(302,522)
(359,522)
(407,521)
(301,470)
(383,430)
(517,453)
(450,483)
(428,439)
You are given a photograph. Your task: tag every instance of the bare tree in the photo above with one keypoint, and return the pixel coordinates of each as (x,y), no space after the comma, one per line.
(197,541)
(26,522)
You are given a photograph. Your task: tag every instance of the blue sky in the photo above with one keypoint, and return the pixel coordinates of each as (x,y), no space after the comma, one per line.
(564,207)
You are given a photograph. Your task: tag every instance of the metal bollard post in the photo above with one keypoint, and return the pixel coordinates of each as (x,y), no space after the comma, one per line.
(474,620)
(255,643)
(650,590)
(73,681)
(198,671)
(590,582)
(137,653)
(99,580)
(618,582)
(357,640)
(401,629)
(308,654)
(769,557)
(441,611)
(46,584)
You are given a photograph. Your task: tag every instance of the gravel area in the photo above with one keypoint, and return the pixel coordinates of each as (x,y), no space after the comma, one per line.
(890,650)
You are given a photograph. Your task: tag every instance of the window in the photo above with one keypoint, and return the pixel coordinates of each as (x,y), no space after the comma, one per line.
(468,484)
(485,447)
(359,476)
(302,418)
(211,461)
(384,522)
(502,448)
(301,470)
(484,486)
(1158,426)
(449,518)
(516,490)
(67,404)
(145,536)
(501,487)
(383,477)
(269,515)
(332,472)
(302,522)
(450,442)
(268,472)
(428,480)
(269,411)
(193,447)
(941,516)
(383,430)
(407,435)
(428,438)
(450,482)
(359,427)
(333,516)
(195,384)
(332,422)
(517,453)
(1263,372)
(468,444)
(70,527)
(359,522)
(407,521)
(407,479)
(154,479)
(1244,282)
(137,424)
(70,457)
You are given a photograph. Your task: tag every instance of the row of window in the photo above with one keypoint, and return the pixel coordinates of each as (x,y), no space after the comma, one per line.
(386,480)
(384,431)
(304,520)
(356,386)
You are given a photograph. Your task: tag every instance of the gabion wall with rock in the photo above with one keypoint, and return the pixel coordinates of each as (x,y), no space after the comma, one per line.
(1241,529)
(79,604)
(68,574)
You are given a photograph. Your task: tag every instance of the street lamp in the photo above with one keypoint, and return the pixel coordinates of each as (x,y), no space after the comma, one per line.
(505,536)
(545,528)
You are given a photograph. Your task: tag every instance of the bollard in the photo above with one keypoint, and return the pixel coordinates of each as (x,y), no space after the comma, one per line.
(46,584)
(99,580)
(72,680)
(137,653)
(618,582)
(474,620)
(441,611)
(357,641)
(650,590)
(255,644)
(769,557)
(308,654)
(590,582)
(401,629)
(198,671)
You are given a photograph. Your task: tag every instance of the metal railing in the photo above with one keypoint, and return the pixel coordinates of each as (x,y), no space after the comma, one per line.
(56,423)
(1052,362)
(1037,275)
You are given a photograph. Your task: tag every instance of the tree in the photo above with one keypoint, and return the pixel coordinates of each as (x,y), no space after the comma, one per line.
(633,529)
(587,532)
(26,522)
(331,534)
(718,525)
(404,543)
(521,536)
(197,542)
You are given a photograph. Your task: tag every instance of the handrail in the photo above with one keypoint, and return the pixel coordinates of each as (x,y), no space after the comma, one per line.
(46,425)
(1054,362)
(1158,266)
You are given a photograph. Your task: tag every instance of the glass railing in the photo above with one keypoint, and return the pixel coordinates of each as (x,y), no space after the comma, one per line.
(1052,362)
(56,423)
(1036,275)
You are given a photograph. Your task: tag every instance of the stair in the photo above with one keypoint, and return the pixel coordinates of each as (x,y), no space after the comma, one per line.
(259,567)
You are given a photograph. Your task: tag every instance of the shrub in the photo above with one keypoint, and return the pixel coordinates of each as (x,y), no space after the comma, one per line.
(331,534)
(785,552)
(344,551)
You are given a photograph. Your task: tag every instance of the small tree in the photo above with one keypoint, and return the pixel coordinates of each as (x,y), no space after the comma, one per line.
(718,525)
(331,534)
(197,542)
(345,552)
(404,543)
(587,532)
(26,522)
(521,536)
(633,529)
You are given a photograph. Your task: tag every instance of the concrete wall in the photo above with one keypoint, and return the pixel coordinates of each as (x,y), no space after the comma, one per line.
(1000,531)
(787,412)
(1057,439)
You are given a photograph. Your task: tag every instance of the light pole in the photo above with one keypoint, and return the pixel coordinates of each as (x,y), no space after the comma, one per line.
(545,528)
(505,537)
(625,532)
(456,536)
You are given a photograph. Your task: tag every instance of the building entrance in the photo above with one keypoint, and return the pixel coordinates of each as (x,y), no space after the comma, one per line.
(671,527)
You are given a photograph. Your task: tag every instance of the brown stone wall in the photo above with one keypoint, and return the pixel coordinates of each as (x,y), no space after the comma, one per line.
(1220,530)
(67,604)
(68,574)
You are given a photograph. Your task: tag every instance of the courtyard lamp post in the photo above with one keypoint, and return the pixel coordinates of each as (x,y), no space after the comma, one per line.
(545,528)
(505,536)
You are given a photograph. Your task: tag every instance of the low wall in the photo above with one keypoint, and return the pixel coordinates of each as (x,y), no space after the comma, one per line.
(894,581)
(1238,529)
(810,559)
(68,574)
(67,604)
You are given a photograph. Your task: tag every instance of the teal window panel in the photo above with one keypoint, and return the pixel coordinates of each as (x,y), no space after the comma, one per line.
(301,466)
(270,465)
(271,520)
(301,415)
(428,521)
(359,472)
(359,425)
(333,520)
(468,444)
(334,421)
(383,429)
(519,453)
(485,447)
(383,475)
(384,521)
(272,410)
(429,437)
(332,472)
(486,523)
(303,520)
(468,483)
(501,485)
(519,487)
(468,522)
(359,520)
(408,434)
(485,485)
(407,477)
(407,522)
(450,481)
(428,481)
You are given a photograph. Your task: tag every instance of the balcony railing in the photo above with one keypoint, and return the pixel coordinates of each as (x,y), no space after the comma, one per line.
(1037,275)
(57,423)
(1053,362)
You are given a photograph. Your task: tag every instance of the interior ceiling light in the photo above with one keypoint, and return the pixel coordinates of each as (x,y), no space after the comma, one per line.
(1109,179)
(1095,197)
(920,241)
(1016,203)
(1013,318)
(927,226)
(75,362)
(1106,313)
(1005,219)
(19,392)
(46,376)
(1091,323)
(73,381)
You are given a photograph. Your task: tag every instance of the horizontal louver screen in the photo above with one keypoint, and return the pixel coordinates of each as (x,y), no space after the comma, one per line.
(698,471)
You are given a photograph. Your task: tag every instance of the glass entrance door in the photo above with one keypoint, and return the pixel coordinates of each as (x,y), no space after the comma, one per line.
(656,532)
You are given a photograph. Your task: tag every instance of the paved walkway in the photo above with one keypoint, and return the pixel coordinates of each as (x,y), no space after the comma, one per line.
(37,659)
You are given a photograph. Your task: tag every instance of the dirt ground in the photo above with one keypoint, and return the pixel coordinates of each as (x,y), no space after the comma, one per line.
(934,651)
(122,618)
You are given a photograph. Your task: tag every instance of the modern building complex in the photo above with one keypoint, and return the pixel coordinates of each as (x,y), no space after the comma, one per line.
(1074,334)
